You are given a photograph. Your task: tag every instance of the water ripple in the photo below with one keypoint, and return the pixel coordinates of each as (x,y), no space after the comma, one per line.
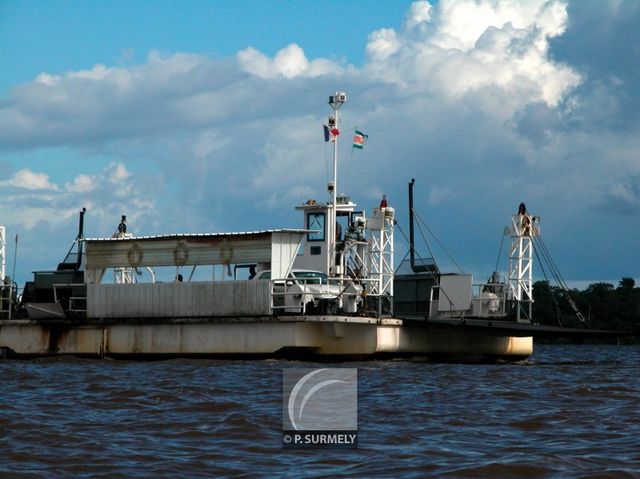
(568,411)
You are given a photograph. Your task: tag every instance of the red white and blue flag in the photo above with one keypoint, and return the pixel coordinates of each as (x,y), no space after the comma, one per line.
(330,134)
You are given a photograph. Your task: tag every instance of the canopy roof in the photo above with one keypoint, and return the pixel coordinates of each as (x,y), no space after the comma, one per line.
(277,247)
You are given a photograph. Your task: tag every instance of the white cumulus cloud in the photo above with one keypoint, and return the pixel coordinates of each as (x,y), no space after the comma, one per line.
(30,180)
(290,62)
(469,95)
(471,46)
(418,15)
(382,44)
(81,184)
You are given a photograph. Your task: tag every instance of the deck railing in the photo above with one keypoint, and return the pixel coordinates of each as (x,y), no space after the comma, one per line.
(488,300)
(7,294)
(282,289)
(75,301)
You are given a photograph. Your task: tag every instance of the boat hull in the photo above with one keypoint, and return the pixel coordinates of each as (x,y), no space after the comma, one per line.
(298,336)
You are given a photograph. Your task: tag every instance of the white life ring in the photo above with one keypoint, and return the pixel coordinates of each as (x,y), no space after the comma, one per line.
(180,254)
(226,253)
(135,255)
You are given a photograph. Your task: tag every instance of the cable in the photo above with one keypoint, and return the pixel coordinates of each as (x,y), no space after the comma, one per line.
(409,242)
(436,238)
(538,241)
(499,253)
(425,240)
(553,296)
(401,261)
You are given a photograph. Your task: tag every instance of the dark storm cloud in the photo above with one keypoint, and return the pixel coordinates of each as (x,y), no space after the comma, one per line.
(602,41)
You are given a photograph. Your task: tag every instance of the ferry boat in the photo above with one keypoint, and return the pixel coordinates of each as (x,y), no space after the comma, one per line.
(325,290)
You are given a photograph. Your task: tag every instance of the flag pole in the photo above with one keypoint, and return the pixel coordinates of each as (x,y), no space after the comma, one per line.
(335,101)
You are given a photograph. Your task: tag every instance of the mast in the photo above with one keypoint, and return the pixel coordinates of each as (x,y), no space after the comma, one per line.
(412,250)
(335,102)
(80,238)
(3,250)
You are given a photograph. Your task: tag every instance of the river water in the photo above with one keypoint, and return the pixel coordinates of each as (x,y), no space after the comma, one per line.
(569,411)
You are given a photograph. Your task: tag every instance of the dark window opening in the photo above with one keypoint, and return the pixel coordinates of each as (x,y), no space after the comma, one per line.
(315,222)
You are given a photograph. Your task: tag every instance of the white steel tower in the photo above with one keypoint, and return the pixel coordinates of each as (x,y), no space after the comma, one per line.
(524,227)
(380,268)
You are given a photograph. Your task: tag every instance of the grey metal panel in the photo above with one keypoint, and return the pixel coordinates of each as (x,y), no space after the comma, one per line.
(178,300)
(455,292)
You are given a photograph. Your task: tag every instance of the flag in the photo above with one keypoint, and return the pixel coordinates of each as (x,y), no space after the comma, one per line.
(359,139)
(330,134)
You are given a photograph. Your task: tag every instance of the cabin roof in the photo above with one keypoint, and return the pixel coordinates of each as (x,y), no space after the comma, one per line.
(276,247)
(170,236)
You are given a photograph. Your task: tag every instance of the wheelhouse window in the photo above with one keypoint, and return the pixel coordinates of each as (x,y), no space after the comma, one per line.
(315,222)
(311,277)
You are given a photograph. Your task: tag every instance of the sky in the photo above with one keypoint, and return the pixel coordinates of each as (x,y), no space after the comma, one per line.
(206,116)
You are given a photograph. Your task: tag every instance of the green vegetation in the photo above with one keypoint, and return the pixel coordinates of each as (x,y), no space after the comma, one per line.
(602,304)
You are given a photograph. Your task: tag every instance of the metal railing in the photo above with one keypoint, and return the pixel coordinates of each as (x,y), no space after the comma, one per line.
(77,304)
(282,289)
(488,300)
(8,299)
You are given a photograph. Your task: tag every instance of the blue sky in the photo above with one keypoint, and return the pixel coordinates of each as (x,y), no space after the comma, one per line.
(206,116)
(56,36)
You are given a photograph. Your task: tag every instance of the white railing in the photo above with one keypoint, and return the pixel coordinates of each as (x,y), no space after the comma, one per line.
(7,299)
(300,288)
(488,300)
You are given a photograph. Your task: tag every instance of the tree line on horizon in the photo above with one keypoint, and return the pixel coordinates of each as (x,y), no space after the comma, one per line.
(603,305)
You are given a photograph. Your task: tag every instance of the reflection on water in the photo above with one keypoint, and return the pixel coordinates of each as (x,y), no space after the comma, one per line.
(570,411)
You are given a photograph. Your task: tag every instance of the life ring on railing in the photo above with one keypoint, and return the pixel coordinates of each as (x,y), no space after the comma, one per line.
(226,253)
(180,254)
(135,255)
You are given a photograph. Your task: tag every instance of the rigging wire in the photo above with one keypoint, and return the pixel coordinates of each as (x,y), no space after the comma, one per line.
(349,161)
(401,261)
(499,252)
(409,250)
(433,256)
(558,277)
(566,289)
(551,263)
(553,296)
(438,241)
(539,246)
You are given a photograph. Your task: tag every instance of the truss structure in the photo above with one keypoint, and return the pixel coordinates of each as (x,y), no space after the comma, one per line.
(521,265)
(380,264)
